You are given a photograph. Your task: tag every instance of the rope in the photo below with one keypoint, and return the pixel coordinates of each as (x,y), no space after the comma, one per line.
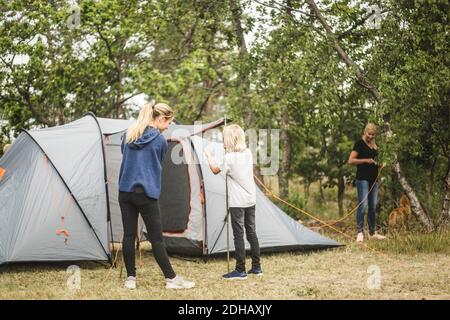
(62,217)
(271,194)
(63,231)
(115,258)
(2,173)
(358,205)
(113,264)
(324,224)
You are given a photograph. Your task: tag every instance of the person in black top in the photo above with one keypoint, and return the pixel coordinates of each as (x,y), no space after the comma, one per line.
(364,155)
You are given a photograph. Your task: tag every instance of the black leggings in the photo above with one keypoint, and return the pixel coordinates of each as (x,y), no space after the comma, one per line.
(131,204)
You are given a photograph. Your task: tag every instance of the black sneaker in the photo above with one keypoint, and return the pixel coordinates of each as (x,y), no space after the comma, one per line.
(255,271)
(235,275)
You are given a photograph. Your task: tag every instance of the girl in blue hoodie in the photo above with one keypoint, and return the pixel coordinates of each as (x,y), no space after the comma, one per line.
(143,148)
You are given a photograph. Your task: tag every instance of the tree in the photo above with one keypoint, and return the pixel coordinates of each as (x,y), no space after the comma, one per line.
(363,80)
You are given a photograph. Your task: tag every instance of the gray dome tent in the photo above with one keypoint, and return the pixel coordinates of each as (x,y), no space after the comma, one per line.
(59,190)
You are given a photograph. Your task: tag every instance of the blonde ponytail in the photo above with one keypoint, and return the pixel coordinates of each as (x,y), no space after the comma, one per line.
(146,117)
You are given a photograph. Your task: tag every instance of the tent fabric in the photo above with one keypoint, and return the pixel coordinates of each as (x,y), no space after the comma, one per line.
(274,227)
(66,178)
(81,167)
(53,173)
(111,126)
(113,157)
(175,192)
(205,233)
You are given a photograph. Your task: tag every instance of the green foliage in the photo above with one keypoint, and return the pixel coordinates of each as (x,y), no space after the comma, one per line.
(186,53)
(296,200)
(51,74)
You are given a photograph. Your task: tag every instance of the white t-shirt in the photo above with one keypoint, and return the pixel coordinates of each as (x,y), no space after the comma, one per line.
(241,185)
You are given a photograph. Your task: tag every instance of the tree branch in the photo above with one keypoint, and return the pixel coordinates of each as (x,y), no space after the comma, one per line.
(360,76)
(356,24)
(283,7)
(108,47)
(205,102)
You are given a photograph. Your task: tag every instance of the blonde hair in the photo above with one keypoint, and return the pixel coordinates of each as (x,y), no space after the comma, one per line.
(234,138)
(6,147)
(146,117)
(370,127)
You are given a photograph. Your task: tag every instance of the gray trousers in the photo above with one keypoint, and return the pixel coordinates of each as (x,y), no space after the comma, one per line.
(244,218)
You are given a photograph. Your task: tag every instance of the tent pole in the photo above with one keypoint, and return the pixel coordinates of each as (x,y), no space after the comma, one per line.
(227,210)
(228,226)
(103,139)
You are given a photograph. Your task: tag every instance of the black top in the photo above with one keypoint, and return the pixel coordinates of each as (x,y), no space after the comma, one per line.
(366,171)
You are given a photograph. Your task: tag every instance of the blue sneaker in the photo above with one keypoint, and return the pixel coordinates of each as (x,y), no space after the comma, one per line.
(255,271)
(235,275)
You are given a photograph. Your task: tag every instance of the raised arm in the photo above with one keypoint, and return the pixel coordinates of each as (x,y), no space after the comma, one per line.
(212,163)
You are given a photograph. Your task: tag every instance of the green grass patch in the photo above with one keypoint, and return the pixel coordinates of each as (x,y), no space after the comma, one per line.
(436,242)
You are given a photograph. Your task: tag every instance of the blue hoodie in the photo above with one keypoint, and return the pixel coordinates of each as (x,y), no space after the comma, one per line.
(142,163)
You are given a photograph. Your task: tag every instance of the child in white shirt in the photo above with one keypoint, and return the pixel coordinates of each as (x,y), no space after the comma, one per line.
(238,165)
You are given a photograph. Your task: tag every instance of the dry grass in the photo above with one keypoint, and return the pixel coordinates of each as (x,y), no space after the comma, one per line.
(333,274)
(412,266)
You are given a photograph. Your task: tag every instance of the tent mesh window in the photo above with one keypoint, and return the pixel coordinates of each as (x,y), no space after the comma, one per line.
(175,190)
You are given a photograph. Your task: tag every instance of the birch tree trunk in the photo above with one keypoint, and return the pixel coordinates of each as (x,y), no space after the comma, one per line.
(364,82)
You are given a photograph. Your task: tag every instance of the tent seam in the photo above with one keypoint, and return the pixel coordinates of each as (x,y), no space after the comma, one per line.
(69,190)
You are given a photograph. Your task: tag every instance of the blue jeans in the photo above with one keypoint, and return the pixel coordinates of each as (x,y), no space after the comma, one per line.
(362,186)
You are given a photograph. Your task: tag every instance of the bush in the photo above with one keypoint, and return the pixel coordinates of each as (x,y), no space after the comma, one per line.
(297,201)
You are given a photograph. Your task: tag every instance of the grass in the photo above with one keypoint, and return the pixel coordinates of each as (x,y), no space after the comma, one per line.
(412,243)
(409,269)
(412,265)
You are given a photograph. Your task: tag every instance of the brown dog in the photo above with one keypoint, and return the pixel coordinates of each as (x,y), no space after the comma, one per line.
(401,213)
